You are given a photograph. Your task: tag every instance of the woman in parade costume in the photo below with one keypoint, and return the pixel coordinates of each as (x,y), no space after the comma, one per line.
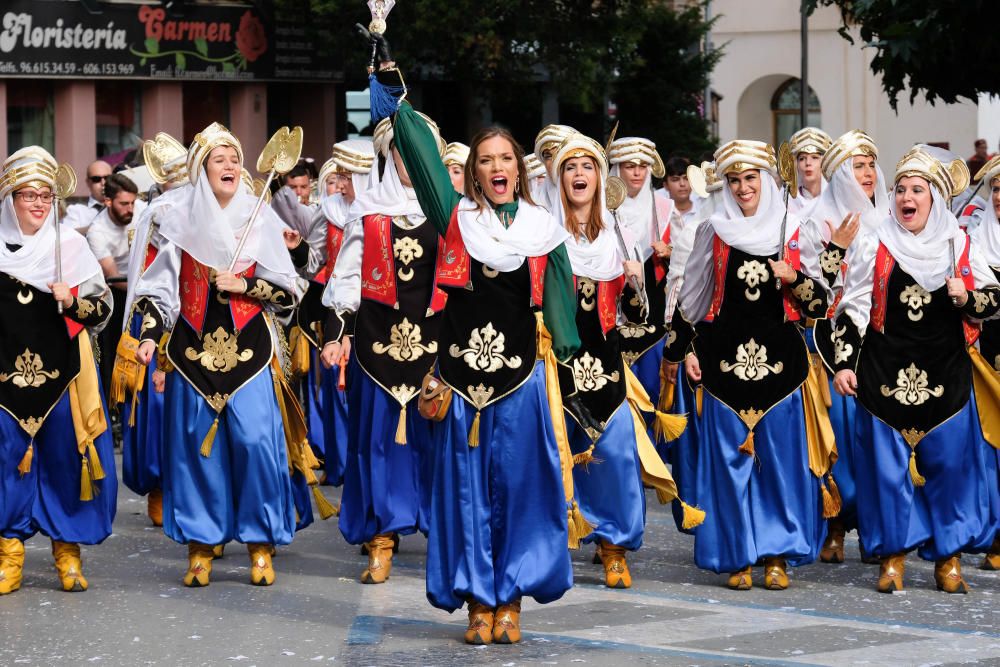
(349,173)
(987,239)
(647,218)
(384,297)
(58,472)
(855,199)
(610,491)
(455,156)
(914,292)
(537,174)
(142,430)
(223,385)
(808,146)
(753,473)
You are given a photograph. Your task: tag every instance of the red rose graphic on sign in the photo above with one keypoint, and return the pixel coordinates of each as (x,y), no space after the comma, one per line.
(251,40)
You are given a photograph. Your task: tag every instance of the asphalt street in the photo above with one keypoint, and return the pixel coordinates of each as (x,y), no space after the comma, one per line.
(137,612)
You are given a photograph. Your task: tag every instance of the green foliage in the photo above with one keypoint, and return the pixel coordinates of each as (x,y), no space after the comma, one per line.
(500,49)
(941,49)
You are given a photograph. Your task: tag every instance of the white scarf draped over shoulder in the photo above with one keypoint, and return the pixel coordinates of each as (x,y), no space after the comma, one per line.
(34,262)
(534,232)
(843,195)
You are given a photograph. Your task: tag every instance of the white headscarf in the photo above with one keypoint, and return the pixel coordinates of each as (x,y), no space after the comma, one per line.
(210,233)
(389,197)
(336,208)
(757,234)
(534,232)
(601,258)
(34,262)
(987,234)
(928,256)
(844,195)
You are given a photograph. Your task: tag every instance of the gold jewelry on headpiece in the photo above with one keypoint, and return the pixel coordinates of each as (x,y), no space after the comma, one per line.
(949,178)
(31,165)
(455,153)
(811,140)
(850,144)
(743,154)
(638,150)
(580,145)
(353,156)
(205,142)
(550,138)
(989,171)
(165,158)
(533,166)
(384,133)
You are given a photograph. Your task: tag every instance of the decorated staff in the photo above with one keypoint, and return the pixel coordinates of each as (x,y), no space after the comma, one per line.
(65,186)
(224,388)
(904,345)
(58,476)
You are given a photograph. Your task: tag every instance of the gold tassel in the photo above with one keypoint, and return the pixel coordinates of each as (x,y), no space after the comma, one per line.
(692,516)
(116,394)
(747,446)
(834,491)
(96,469)
(579,527)
(662,496)
(309,456)
(584,458)
(699,399)
(831,505)
(401,427)
(326,509)
(24,467)
(135,402)
(310,477)
(86,485)
(918,479)
(206,444)
(670,426)
(474,431)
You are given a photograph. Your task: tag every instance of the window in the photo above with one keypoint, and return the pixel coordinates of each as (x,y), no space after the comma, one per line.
(785,110)
(30,115)
(119,124)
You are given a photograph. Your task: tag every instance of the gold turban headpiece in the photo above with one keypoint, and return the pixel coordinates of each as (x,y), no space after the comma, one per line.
(639,150)
(205,142)
(455,153)
(949,176)
(810,140)
(384,133)
(580,145)
(742,154)
(353,156)
(848,145)
(31,165)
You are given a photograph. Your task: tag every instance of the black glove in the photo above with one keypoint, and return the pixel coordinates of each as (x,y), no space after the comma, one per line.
(583,416)
(379,46)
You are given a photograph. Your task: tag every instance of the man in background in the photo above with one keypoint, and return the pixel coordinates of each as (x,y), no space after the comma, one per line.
(79,216)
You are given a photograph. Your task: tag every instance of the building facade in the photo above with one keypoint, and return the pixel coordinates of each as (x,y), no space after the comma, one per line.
(758,81)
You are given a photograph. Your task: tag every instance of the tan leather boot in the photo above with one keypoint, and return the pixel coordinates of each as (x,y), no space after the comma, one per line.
(833,546)
(616,574)
(740,580)
(11,564)
(480,629)
(218,551)
(154,506)
(199,565)
(775,574)
(948,576)
(261,569)
(69,566)
(507,623)
(891,576)
(379,560)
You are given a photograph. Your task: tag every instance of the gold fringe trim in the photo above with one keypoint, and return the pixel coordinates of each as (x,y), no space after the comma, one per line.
(24,467)
(584,458)
(401,427)
(474,431)
(206,444)
(86,484)
(831,484)
(325,507)
(699,399)
(831,505)
(135,404)
(918,479)
(579,527)
(747,446)
(309,456)
(692,516)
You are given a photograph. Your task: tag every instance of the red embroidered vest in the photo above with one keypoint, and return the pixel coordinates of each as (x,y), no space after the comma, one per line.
(194,290)
(720,262)
(884,263)
(378,270)
(454,263)
(334,240)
